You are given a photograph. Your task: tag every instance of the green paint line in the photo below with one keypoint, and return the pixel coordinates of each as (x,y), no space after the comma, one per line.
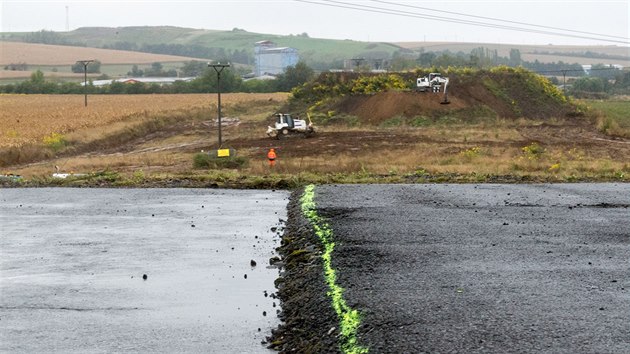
(349,319)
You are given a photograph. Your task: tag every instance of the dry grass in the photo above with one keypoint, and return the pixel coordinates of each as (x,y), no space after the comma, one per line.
(28,119)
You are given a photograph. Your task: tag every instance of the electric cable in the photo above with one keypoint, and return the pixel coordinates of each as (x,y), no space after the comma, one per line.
(366,8)
(498,19)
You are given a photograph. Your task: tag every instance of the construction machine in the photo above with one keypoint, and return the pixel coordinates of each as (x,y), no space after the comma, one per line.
(434,82)
(285,126)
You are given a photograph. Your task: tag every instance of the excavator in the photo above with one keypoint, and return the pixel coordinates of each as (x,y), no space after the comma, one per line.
(434,83)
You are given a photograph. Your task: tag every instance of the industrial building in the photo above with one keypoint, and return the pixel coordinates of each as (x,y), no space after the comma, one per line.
(272,60)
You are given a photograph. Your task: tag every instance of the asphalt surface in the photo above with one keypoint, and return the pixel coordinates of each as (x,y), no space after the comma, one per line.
(484,268)
(73,264)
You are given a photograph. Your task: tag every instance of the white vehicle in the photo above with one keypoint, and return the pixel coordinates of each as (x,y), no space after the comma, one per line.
(432,83)
(286,125)
(435,82)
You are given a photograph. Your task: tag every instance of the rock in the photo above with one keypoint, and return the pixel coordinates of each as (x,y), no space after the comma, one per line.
(144,276)
(252,263)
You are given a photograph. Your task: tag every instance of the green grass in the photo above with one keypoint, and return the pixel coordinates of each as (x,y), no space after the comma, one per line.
(618,111)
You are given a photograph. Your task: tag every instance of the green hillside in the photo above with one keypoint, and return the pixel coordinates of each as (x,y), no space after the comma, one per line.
(165,38)
(237,46)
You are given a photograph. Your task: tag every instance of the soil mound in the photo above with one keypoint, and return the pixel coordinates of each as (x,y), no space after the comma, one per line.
(505,93)
(386,105)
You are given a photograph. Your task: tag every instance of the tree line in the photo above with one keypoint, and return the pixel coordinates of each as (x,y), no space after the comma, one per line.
(206,82)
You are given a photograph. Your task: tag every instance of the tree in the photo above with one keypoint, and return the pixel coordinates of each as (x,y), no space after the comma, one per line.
(193,68)
(135,72)
(515,57)
(230,82)
(92,68)
(37,77)
(295,76)
(606,72)
(426,58)
(622,83)
(589,85)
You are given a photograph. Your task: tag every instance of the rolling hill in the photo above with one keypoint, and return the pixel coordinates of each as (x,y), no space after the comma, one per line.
(147,38)
(150,38)
(46,54)
(120,48)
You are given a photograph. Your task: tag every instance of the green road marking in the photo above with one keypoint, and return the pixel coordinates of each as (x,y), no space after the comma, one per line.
(349,319)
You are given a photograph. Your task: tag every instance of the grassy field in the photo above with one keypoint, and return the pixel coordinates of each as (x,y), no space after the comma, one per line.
(616,109)
(613,115)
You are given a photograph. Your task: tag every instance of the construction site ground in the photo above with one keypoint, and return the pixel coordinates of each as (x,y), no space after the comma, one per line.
(382,139)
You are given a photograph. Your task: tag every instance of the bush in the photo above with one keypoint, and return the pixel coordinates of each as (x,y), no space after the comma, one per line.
(55,141)
(533,151)
(205,160)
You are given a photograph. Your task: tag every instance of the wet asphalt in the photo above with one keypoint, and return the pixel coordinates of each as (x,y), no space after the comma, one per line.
(484,268)
(138,270)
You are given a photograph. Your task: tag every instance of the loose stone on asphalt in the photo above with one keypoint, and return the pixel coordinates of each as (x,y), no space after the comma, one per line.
(484,268)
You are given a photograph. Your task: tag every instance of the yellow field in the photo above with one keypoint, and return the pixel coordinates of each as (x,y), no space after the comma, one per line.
(28,119)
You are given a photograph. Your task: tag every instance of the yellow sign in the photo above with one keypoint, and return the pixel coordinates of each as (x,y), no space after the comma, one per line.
(223,153)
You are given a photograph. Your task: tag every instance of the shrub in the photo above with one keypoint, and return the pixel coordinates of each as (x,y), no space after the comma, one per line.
(533,151)
(205,160)
(471,153)
(55,141)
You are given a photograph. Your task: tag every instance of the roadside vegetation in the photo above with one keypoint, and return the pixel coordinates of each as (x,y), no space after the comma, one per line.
(613,117)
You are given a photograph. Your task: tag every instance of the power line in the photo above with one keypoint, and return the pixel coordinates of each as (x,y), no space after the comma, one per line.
(374,9)
(475,23)
(574,70)
(499,20)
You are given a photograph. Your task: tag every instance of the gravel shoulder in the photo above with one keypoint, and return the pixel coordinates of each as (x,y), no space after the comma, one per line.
(475,268)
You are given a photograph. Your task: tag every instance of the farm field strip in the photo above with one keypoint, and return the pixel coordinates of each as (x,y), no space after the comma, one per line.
(29,118)
(46,54)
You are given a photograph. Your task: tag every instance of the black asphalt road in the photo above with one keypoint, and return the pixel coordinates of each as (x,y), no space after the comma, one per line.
(484,268)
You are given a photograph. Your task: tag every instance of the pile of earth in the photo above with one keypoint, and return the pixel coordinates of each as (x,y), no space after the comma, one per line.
(508,94)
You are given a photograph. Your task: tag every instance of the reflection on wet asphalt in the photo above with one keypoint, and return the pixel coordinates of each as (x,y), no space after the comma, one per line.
(141,270)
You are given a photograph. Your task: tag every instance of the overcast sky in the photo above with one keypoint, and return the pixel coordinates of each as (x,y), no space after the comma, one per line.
(285,17)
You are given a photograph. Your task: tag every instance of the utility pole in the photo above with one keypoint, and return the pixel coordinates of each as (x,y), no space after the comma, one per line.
(219,68)
(85,64)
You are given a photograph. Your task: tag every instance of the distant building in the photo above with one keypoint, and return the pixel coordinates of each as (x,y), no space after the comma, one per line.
(146,80)
(272,60)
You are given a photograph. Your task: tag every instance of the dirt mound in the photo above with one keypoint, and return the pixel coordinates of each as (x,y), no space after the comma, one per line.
(505,93)
(385,105)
